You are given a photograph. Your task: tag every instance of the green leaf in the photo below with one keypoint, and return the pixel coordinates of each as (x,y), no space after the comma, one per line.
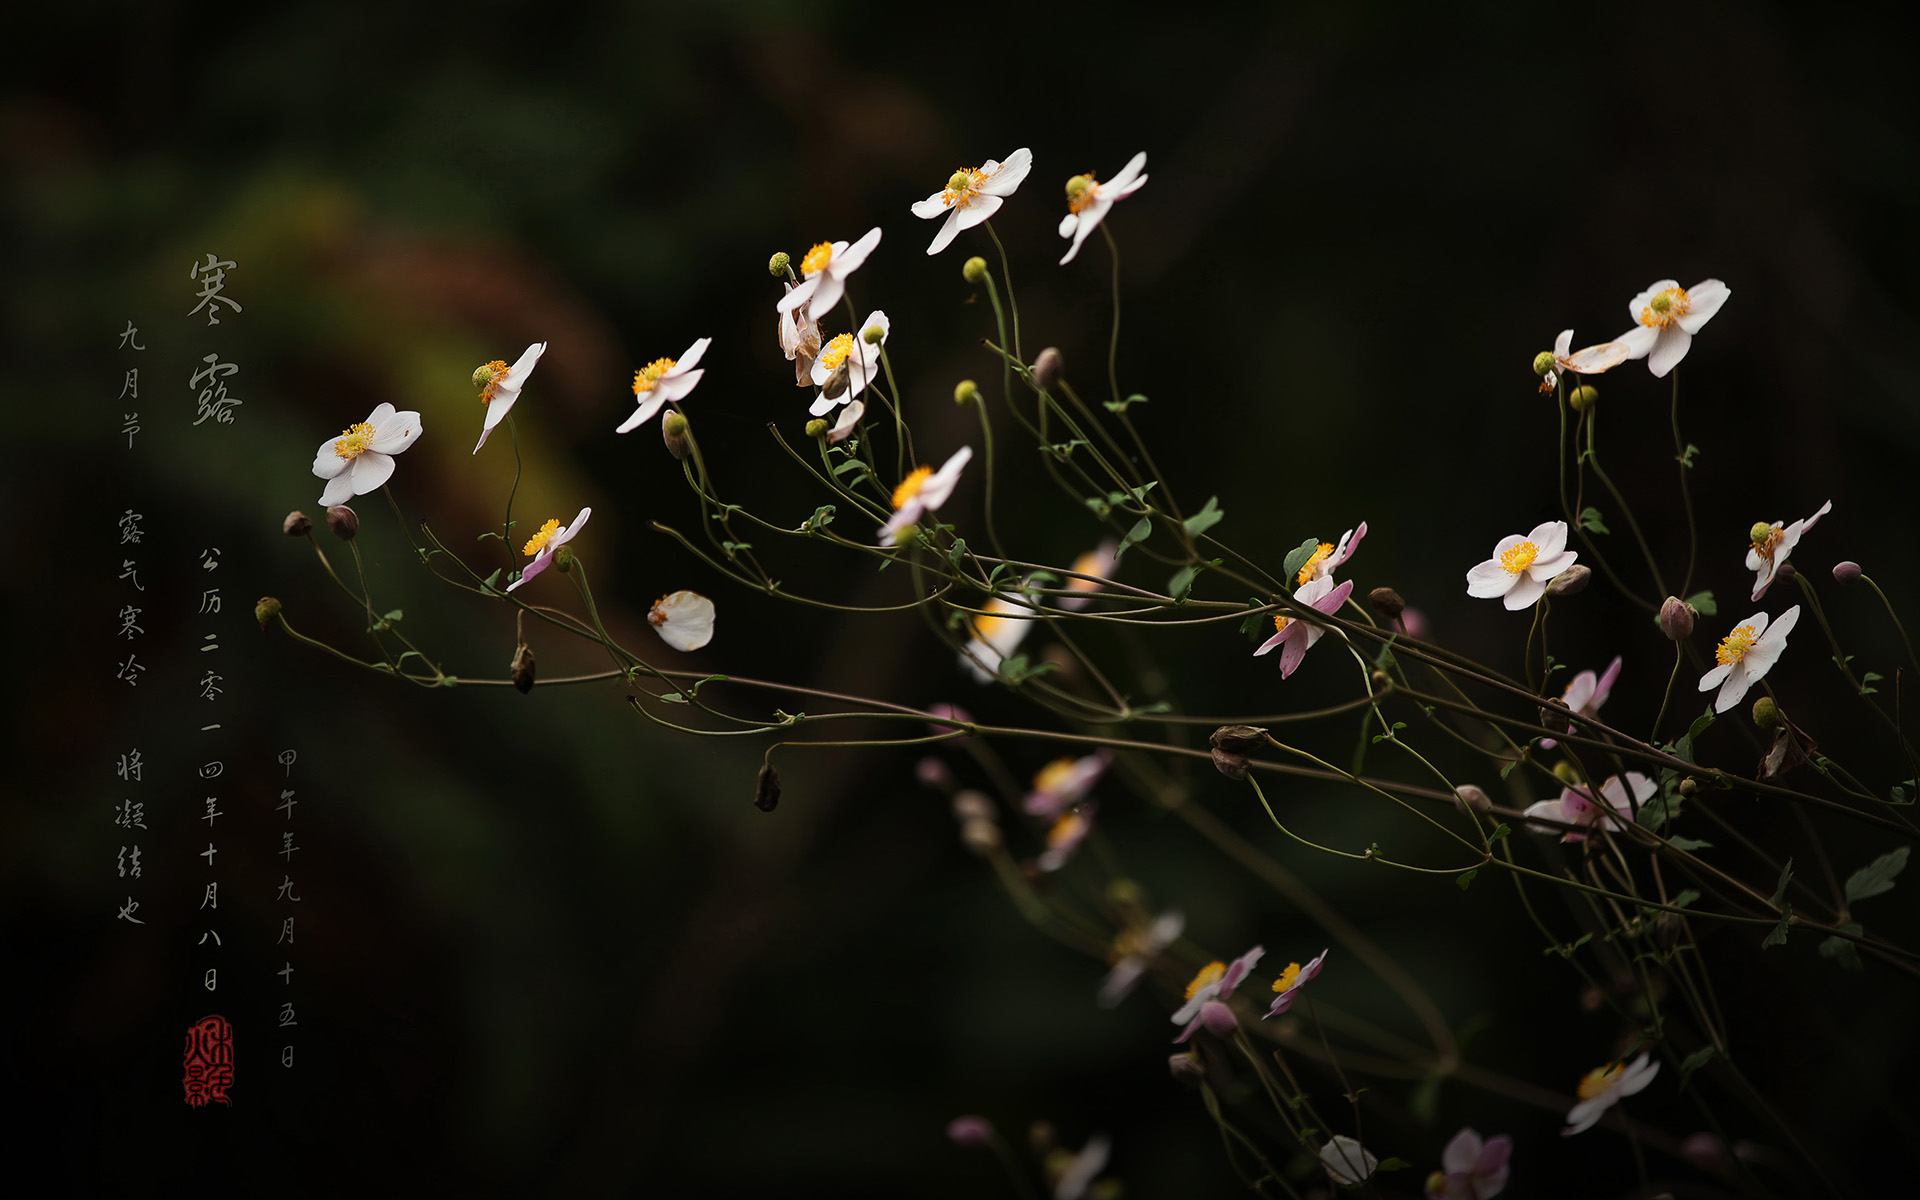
(1843,951)
(1704,604)
(821,518)
(1464,880)
(957,553)
(1508,769)
(1687,843)
(1779,935)
(674,698)
(491,582)
(1499,831)
(1591,522)
(731,547)
(1205,519)
(1693,1062)
(1298,556)
(1182,582)
(1392,1164)
(1868,678)
(1100,507)
(1121,405)
(1701,724)
(1139,533)
(1780,892)
(1877,876)
(1254,626)
(1064,450)
(1685,457)
(1685,898)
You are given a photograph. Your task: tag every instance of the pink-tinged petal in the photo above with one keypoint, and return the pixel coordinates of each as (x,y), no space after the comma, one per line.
(1703,300)
(1550,810)
(532,569)
(1526,590)
(1608,677)
(1493,1160)
(1550,537)
(1490,579)
(1218,1019)
(939,486)
(1009,174)
(1462,1152)
(798,294)
(1595,360)
(1239,969)
(1293,649)
(947,233)
(976,211)
(1330,598)
(1668,349)
(899,521)
(1119,982)
(1348,544)
(849,417)
(1580,692)
(1273,641)
(1638,341)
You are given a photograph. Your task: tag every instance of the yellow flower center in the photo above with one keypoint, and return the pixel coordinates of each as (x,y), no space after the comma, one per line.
(911,485)
(1289,978)
(1212,973)
(657,615)
(488,378)
(1078,197)
(1518,558)
(1735,645)
(962,186)
(1764,544)
(1307,571)
(817,259)
(538,541)
(352,442)
(835,352)
(1069,827)
(1280,623)
(1054,775)
(1597,1081)
(1665,308)
(648,377)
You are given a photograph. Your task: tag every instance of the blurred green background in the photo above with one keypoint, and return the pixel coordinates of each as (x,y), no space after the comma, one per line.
(548,949)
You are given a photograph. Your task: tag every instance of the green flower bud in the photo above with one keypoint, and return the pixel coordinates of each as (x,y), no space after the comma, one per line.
(481,374)
(1543,362)
(563,559)
(1077,185)
(777,265)
(1566,772)
(817,428)
(1584,397)
(872,335)
(1760,532)
(966,392)
(975,270)
(265,609)
(1766,714)
(674,432)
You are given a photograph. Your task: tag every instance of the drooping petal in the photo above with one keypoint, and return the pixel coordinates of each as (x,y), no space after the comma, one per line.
(1734,690)
(1526,590)
(652,403)
(1489,579)
(1595,360)
(1638,341)
(1668,349)
(684,619)
(947,233)
(339,490)
(849,417)
(798,294)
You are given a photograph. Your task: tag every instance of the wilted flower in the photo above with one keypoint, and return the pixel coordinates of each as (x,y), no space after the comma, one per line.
(1576,806)
(922,492)
(1770,545)
(1326,556)
(1096,564)
(1065,837)
(1133,950)
(1088,200)
(500,386)
(684,619)
(1347,1160)
(972,195)
(1746,655)
(1212,986)
(799,340)
(1585,694)
(664,381)
(1669,315)
(1291,981)
(842,428)
(826,268)
(1298,636)
(1521,566)
(860,357)
(1604,1087)
(996,635)
(1064,782)
(361,458)
(542,546)
(1591,361)
(1471,1169)
(1077,1173)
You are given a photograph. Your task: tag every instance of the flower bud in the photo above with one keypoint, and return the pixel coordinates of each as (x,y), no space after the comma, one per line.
(974,270)
(297,525)
(1689,786)
(777,265)
(343,521)
(1583,397)
(1387,602)
(1676,619)
(563,559)
(933,773)
(1760,533)
(1844,572)
(1766,714)
(1218,1019)
(1046,368)
(1467,796)
(1566,773)
(1570,582)
(766,788)
(1187,1068)
(817,428)
(1238,739)
(1233,766)
(1785,571)
(981,837)
(520,670)
(265,609)
(873,335)
(673,431)
(966,392)
(972,805)
(1543,362)
(970,1131)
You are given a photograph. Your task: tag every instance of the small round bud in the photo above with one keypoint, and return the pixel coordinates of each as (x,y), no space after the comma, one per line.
(1785,571)
(1238,739)
(520,670)
(481,374)
(966,392)
(872,335)
(1676,619)
(981,837)
(1846,572)
(1543,362)
(563,559)
(343,521)
(1760,532)
(1566,772)
(959,181)
(971,1132)
(1233,766)
(817,428)
(265,609)
(971,805)
(933,773)
(1766,714)
(1379,678)
(1218,1019)
(1469,797)
(1125,893)
(674,433)
(297,525)
(766,788)
(1570,582)
(1387,602)
(1078,185)
(1187,1068)
(974,270)
(777,265)
(1583,397)
(1689,786)
(1047,368)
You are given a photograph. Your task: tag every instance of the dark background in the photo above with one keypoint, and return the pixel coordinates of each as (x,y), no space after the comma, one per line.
(553,950)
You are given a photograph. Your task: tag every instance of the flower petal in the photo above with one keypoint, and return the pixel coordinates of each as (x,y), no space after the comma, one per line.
(1489,579)
(1703,300)
(1638,341)
(684,619)
(1668,349)
(947,233)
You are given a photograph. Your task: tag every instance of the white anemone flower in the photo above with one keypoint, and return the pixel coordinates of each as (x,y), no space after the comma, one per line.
(500,386)
(825,269)
(996,635)
(1327,556)
(664,381)
(1088,200)
(361,458)
(1668,316)
(1348,1161)
(1591,361)
(542,546)
(1746,655)
(1078,1172)
(1090,571)
(684,619)
(799,340)
(1772,544)
(922,492)
(860,357)
(1603,1087)
(1521,566)
(972,195)
(849,417)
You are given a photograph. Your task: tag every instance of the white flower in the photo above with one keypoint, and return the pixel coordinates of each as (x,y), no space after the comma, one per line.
(500,386)
(995,637)
(1095,565)
(542,546)
(826,268)
(1772,544)
(1669,315)
(849,417)
(1087,203)
(1591,361)
(1133,950)
(684,619)
(972,195)
(1746,655)
(1577,807)
(664,381)
(1207,993)
(923,492)
(860,357)
(1079,1171)
(361,458)
(1521,566)
(1604,1087)
(1347,1160)
(1327,556)
(799,340)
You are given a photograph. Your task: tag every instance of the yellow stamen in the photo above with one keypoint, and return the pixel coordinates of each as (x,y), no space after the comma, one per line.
(1598,1080)
(1307,570)
(489,377)
(1289,978)
(1070,827)
(648,377)
(352,442)
(1665,308)
(911,485)
(1735,645)
(1213,972)
(1518,558)
(1765,546)
(657,615)
(963,186)
(1053,776)
(835,352)
(1280,623)
(538,541)
(1083,195)
(817,259)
